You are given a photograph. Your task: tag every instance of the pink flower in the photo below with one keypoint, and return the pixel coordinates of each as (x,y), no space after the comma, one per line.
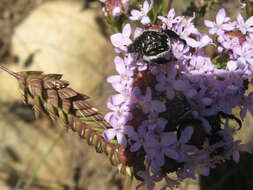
(182,147)
(247,105)
(205,40)
(124,79)
(119,131)
(170,19)
(171,115)
(122,40)
(169,84)
(150,105)
(142,14)
(186,28)
(245,27)
(221,24)
(244,54)
(237,147)
(121,111)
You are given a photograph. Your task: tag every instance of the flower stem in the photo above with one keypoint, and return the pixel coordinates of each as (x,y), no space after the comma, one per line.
(170,4)
(42,161)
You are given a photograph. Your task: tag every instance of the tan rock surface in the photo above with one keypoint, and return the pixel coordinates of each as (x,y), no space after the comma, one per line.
(61,38)
(24,145)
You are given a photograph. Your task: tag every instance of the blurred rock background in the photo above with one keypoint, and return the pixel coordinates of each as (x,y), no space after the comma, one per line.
(68,37)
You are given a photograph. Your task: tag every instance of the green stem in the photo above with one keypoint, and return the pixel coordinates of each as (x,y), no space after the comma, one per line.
(249,10)
(41,162)
(170,4)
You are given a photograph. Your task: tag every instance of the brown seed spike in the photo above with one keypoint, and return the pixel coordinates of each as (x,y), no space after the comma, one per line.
(52,112)
(71,122)
(16,75)
(67,93)
(80,104)
(77,125)
(63,117)
(37,106)
(23,91)
(98,146)
(36,87)
(52,77)
(31,74)
(96,117)
(114,159)
(55,84)
(66,105)
(87,113)
(48,84)
(50,95)
(104,124)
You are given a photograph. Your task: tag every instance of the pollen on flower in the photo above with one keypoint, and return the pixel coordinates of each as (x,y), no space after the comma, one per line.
(115,8)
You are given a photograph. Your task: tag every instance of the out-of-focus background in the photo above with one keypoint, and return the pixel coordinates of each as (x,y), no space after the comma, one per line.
(71,37)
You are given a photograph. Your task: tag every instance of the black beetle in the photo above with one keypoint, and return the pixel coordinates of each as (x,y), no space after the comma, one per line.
(152,45)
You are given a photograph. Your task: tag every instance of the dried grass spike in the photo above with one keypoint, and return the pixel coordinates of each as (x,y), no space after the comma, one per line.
(52,77)
(63,117)
(55,84)
(65,93)
(80,104)
(52,111)
(66,105)
(36,87)
(51,96)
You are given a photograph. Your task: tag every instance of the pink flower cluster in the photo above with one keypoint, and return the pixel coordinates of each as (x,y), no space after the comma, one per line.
(115,8)
(171,114)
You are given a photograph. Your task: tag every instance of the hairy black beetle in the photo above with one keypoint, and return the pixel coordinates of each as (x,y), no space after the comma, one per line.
(152,45)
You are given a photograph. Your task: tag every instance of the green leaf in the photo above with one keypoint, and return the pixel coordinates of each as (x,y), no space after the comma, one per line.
(249,10)
(220,61)
(92,123)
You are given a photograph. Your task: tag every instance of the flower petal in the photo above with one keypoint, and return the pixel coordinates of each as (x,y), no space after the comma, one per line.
(145,7)
(186,135)
(114,79)
(136,146)
(220,17)
(121,139)
(126,32)
(180,85)
(209,23)
(116,39)
(240,19)
(145,20)
(168,139)
(171,153)
(120,65)
(171,13)
(109,134)
(249,22)
(170,93)
(135,15)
